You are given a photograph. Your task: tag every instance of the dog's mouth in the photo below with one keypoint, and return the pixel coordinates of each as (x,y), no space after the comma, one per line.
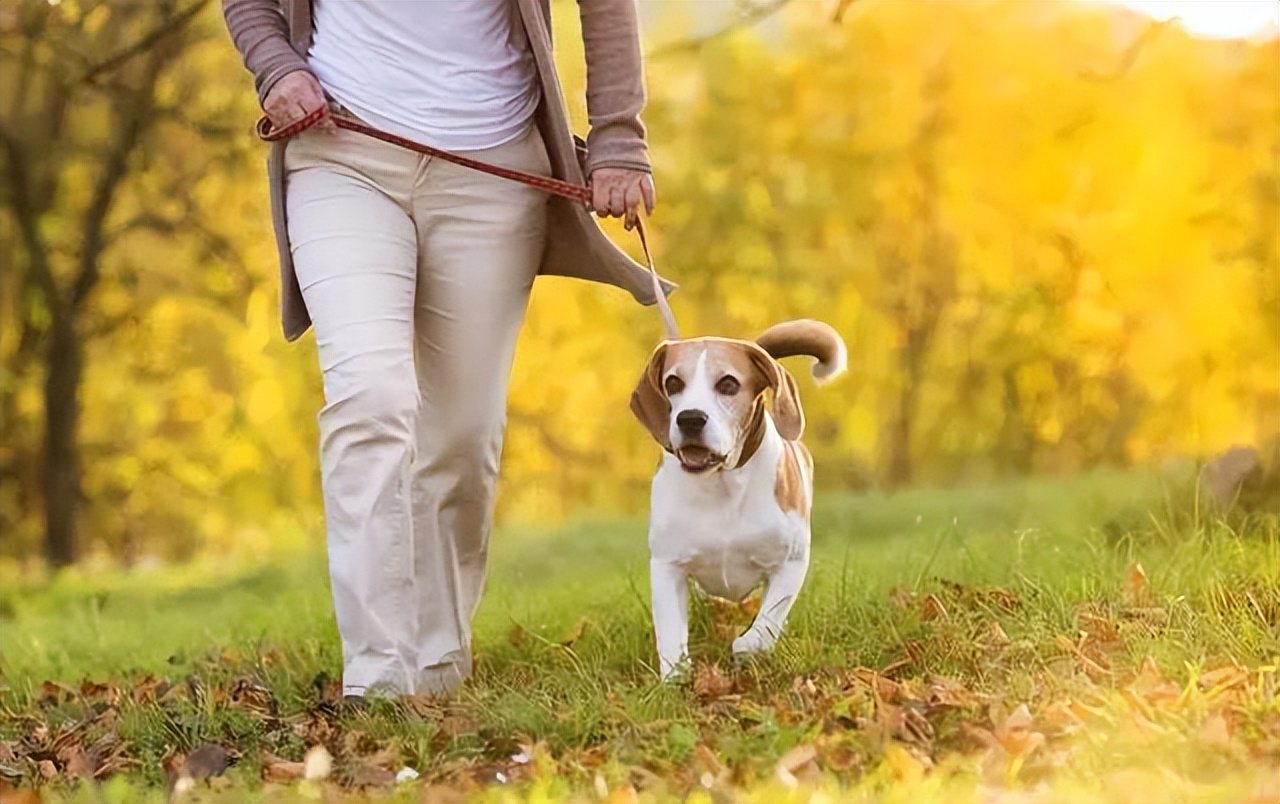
(698,459)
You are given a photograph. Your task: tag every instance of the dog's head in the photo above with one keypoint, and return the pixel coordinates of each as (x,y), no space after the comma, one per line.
(703,400)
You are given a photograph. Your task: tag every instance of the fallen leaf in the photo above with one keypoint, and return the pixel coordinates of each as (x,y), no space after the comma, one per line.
(78,765)
(47,769)
(94,689)
(1094,618)
(947,692)
(893,667)
(885,688)
(710,682)
(517,636)
(706,761)
(11,795)
(252,696)
(623,794)
(1215,730)
(1223,678)
(902,597)
(328,690)
(54,692)
(792,761)
(372,776)
(442,794)
(280,771)
(575,633)
(1137,590)
(839,753)
(995,637)
(931,608)
(1016,735)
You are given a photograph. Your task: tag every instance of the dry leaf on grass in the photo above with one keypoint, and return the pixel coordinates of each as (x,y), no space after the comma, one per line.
(710,682)
(1137,589)
(994,636)
(575,633)
(1216,730)
(885,688)
(1016,734)
(931,608)
(623,794)
(797,764)
(280,771)
(11,795)
(902,597)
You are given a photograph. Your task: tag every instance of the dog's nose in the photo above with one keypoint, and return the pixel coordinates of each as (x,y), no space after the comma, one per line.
(691,422)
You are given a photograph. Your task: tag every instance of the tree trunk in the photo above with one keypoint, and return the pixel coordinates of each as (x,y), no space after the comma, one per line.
(61,474)
(901,469)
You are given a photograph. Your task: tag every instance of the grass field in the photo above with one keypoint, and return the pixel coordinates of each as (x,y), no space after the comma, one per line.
(1036,641)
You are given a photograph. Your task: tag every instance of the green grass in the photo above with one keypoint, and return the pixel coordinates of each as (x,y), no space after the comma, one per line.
(983,586)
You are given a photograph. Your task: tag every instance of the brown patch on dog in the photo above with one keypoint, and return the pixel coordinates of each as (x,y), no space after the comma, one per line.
(649,402)
(790,488)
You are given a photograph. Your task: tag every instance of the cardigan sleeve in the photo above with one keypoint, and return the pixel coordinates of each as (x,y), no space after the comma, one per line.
(615,85)
(260,32)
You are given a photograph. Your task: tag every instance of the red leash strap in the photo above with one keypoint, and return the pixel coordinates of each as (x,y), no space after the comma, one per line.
(564,189)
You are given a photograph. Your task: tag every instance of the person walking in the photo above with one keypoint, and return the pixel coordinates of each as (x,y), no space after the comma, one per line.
(415,275)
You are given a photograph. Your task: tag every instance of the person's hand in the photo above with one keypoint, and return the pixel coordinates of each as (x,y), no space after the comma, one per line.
(294,97)
(618,192)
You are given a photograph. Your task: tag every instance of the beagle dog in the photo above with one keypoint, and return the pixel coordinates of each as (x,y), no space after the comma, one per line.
(731,499)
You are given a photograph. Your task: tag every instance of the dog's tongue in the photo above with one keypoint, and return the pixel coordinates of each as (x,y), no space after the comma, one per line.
(696,458)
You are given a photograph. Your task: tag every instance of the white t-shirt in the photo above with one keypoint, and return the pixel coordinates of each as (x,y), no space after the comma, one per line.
(453,74)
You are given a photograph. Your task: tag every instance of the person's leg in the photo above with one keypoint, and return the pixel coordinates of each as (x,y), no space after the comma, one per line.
(355,254)
(480,243)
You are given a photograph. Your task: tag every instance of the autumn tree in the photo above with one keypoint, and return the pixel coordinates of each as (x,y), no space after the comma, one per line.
(104,134)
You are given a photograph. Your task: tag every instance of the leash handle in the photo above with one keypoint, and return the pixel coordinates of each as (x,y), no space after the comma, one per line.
(672,332)
(267,132)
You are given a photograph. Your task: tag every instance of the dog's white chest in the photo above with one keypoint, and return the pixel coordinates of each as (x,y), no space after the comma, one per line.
(722,531)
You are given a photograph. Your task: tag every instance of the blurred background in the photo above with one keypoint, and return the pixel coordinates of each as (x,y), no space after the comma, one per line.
(1048,229)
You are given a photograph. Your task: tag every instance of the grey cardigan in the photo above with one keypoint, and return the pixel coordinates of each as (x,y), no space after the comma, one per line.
(274,36)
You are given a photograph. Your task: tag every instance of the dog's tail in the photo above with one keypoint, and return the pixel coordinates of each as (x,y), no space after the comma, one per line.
(807,337)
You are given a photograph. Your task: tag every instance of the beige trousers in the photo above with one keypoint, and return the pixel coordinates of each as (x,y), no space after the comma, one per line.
(416,273)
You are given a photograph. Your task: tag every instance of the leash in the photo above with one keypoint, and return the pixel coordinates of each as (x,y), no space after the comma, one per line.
(267,132)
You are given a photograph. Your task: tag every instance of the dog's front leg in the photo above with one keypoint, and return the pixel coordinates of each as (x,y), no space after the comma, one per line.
(670,590)
(779,597)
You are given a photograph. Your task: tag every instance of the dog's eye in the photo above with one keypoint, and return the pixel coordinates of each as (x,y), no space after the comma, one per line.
(728,386)
(674,385)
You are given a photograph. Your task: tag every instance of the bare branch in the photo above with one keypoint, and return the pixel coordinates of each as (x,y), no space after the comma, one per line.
(26,212)
(131,123)
(146,42)
(842,6)
(750,15)
(1130,55)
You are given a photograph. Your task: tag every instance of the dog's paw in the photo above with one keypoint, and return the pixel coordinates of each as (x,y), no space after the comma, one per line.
(753,641)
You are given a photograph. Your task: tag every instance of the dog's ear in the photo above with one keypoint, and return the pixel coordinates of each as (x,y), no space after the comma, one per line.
(649,402)
(788,414)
